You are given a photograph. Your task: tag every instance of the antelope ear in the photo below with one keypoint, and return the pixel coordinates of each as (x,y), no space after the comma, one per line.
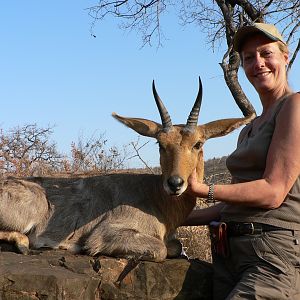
(141,126)
(224,126)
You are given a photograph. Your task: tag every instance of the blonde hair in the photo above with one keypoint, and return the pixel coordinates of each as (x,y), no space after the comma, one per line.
(283,48)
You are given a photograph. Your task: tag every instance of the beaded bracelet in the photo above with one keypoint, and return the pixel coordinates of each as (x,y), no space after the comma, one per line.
(210,196)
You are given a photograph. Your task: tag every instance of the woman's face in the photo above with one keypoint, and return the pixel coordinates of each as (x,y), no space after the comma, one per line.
(264,64)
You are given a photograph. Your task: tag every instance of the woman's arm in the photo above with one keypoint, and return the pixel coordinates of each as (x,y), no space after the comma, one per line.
(282,166)
(204,216)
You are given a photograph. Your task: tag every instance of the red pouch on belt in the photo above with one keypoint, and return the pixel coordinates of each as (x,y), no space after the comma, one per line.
(218,236)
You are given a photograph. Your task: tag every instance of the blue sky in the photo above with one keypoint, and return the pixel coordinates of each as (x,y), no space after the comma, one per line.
(53,72)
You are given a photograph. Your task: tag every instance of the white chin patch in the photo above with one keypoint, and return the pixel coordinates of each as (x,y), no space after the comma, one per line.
(174,193)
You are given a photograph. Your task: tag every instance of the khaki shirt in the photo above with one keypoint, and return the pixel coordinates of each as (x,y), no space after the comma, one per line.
(248,163)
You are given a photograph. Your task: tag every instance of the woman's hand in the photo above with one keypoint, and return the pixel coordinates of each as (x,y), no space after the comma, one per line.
(196,188)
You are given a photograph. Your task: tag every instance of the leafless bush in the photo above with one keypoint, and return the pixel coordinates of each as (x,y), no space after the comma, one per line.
(27,150)
(88,155)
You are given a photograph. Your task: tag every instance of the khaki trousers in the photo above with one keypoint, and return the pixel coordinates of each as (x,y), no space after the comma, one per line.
(265,267)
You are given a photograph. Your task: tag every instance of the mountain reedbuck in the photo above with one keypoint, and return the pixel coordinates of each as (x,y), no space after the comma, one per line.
(121,215)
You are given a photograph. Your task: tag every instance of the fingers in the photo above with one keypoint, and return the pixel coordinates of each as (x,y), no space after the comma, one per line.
(192,178)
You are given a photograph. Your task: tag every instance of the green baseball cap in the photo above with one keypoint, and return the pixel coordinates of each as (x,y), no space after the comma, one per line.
(269,30)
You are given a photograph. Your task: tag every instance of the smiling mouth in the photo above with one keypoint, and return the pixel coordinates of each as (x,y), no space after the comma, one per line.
(263,74)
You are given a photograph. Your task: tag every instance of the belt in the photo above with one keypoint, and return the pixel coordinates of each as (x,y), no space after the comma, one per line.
(239,228)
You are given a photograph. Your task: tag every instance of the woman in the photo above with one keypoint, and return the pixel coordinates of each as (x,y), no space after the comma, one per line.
(261,209)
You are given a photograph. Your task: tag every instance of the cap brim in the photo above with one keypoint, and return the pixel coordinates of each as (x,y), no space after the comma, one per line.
(243,32)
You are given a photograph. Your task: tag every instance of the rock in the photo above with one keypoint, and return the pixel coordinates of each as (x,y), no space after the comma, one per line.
(57,275)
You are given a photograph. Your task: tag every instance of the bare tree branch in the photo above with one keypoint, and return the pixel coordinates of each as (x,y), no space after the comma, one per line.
(24,149)
(294,56)
(137,149)
(218,19)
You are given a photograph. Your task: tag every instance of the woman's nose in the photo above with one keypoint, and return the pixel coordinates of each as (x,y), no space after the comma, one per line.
(259,61)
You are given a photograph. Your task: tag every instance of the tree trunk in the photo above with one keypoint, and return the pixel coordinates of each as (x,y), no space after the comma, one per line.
(230,71)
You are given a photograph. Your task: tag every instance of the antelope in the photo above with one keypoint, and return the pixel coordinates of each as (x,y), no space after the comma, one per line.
(119,215)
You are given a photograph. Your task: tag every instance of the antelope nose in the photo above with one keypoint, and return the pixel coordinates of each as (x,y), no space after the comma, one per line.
(175,183)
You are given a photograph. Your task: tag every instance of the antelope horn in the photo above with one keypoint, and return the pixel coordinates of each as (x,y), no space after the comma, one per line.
(164,115)
(193,117)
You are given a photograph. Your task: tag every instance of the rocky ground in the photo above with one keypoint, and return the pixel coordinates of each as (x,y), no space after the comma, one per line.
(57,275)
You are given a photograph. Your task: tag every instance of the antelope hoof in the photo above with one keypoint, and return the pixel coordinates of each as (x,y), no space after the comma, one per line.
(23,249)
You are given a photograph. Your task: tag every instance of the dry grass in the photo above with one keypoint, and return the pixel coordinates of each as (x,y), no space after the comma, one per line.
(195,239)
(196,242)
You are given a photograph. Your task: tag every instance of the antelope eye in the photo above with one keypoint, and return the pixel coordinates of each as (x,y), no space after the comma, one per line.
(198,145)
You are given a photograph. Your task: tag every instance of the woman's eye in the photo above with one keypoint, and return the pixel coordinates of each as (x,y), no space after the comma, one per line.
(198,145)
(247,58)
(266,54)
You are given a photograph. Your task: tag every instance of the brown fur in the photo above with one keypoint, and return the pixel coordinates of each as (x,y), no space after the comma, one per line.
(120,215)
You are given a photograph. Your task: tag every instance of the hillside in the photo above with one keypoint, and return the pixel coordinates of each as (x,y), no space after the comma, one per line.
(215,170)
